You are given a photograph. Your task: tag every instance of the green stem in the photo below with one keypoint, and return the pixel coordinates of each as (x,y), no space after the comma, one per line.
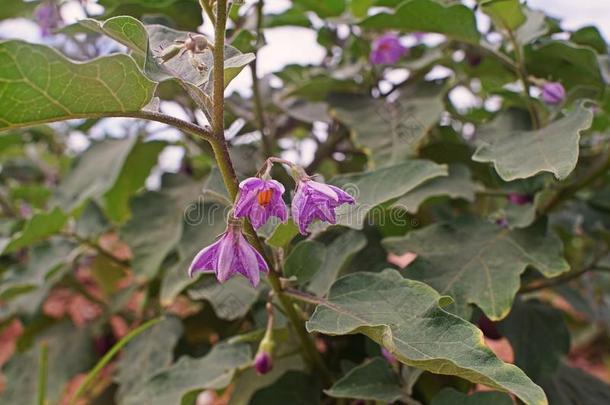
(266,138)
(522,73)
(208,10)
(225,166)
(42,373)
(109,356)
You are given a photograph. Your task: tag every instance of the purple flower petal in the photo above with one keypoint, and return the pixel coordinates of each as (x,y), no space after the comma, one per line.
(259,200)
(205,261)
(387,49)
(553,93)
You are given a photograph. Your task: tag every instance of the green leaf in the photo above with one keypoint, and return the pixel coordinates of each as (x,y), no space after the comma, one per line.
(282,234)
(570,64)
(590,36)
(450,396)
(382,185)
(570,385)
(70,353)
(455,21)
(38,228)
(293,388)
(17,8)
(40,85)
(213,371)
(204,222)
(90,178)
(506,14)
(390,132)
(230,300)
(404,316)
(339,254)
(538,335)
(553,149)
(152,232)
(534,27)
(146,355)
(135,170)
(305,260)
(477,262)
(457,184)
(371,381)
(324,9)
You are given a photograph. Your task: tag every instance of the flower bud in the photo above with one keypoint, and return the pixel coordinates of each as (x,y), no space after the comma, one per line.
(553,93)
(263,363)
(519,199)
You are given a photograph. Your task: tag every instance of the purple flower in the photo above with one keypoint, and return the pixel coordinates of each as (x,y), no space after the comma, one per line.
(314,200)
(229,255)
(387,49)
(553,93)
(260,199)
(48,18)
(263,363)
(519,199)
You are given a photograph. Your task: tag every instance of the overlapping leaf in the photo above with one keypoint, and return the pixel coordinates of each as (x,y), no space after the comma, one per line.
(455,21)
(382,185)
(40,85)
(477,262)
(390,132)
(553,149)
(405,317)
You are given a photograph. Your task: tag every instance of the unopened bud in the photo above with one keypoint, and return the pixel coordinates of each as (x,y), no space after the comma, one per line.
(263,363)
(553,93)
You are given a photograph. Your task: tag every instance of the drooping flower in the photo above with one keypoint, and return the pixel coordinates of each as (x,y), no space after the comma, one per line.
(48,18)
(263,363)
(387,49)
(259,200)
(553,93)
(388,356)
(314,200)
(231,254)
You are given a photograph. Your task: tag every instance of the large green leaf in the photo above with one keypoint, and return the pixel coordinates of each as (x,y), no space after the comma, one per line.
(89,178)
(538,335)
(450,396)
(153,231)
(390,132)
(136,169)
(338,255)
(230,300)
(572,386)
(70,352)
(477,262)
(213,371)
(405,317)
(457,184)
(305,260)
(40,227)
(382,185)
(572,65)
(455,21)
(523,154)
(146,355)
(40,85)
(293,388)
(373,381)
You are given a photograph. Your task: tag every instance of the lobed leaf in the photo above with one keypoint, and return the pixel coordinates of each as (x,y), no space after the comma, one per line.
(404,316)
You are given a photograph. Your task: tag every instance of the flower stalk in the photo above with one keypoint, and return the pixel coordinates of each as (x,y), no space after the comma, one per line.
(310,354)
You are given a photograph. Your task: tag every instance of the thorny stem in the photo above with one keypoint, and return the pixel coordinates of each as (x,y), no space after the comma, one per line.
(522,73)
(225,166)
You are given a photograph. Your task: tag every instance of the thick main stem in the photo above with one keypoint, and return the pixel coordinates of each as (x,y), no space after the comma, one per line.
(225,166)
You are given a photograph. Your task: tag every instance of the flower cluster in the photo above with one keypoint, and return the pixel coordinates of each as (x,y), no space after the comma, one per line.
(259,199)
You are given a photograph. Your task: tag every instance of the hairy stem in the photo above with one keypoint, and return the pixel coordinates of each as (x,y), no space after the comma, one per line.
(219,146)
